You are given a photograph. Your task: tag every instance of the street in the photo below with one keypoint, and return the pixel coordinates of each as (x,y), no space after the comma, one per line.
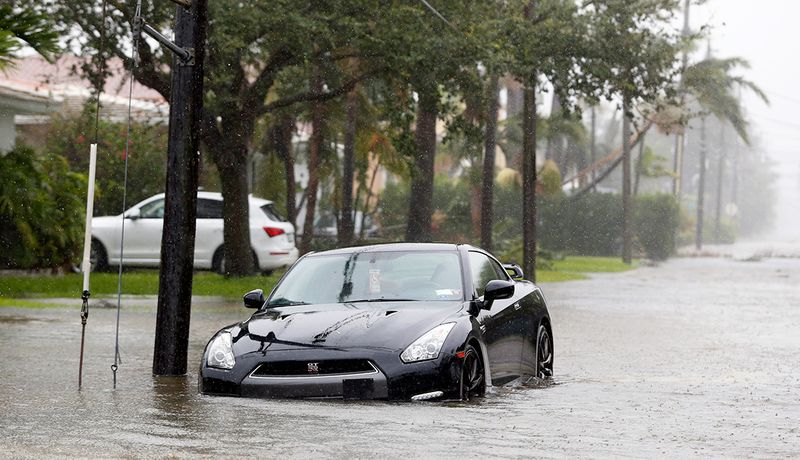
(693,357)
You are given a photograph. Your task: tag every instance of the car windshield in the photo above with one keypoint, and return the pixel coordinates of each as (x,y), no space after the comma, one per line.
(371,277)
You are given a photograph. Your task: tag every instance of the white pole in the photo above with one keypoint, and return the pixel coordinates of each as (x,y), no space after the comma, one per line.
(87,235)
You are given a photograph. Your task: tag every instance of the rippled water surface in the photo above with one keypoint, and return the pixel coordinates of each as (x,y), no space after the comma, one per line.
(696,357)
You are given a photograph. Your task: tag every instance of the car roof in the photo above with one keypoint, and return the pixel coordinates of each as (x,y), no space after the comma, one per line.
(421,247)
(218,196)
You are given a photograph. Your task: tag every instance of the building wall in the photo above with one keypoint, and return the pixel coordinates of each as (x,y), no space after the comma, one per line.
(7,130)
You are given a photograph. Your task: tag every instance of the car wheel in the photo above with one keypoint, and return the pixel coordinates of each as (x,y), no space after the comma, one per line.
(473,381)
(98,257)
(544,353)
(218,261)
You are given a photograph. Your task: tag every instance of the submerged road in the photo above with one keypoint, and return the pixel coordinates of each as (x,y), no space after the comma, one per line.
(695,357)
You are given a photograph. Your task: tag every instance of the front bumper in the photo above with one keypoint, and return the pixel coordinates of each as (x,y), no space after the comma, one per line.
(392,378)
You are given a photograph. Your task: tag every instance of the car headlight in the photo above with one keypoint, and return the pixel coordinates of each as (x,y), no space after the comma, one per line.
(220,352)
(428,346)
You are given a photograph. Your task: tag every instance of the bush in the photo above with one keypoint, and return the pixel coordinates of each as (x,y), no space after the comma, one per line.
(71,136)
(656,223)
(591,225)
(41,210)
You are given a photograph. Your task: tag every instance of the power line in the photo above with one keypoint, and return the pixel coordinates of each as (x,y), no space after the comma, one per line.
(781,122)
(783,96)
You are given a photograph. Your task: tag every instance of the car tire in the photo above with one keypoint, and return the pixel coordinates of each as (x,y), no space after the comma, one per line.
(544,352)
(218,261)
(473,375)
(98,256)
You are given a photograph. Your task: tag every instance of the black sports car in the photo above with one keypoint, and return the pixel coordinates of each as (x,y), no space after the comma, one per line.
(395,321)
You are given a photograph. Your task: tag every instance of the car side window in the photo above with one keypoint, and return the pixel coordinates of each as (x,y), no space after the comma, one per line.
(483,270)
(209,209)
(152,210)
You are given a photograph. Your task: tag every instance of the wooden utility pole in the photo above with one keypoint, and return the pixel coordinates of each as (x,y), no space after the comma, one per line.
(180,207)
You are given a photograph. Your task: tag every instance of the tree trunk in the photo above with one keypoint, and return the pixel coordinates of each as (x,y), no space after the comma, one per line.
(232,163)
(593,143)
(627,210)
(281,139)
(316,144)
(735,174)
(529,179)
(720,181)
(489,147)
(287,130)
(420,207)
(701,187)
(639,166)
(680,139)
(346,222)
(677,165)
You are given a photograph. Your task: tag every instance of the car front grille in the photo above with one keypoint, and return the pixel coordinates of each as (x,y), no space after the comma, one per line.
(314,368)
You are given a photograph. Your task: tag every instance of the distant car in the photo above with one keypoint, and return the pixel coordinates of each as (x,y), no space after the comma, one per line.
(271,237)
(396,321)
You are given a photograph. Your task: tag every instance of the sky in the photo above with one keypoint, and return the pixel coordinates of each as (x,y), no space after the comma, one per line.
(767,34)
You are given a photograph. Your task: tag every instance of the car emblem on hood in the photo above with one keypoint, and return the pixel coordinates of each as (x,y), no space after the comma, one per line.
(313,368)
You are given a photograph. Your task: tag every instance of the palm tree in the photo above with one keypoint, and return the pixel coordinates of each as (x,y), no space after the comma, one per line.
(711,84)
(20,26)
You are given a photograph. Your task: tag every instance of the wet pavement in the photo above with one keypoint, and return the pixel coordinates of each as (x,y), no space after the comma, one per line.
(695,357)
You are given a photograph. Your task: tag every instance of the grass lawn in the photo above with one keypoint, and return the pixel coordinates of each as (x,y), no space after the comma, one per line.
(134,282)
(145,282)
(576,267)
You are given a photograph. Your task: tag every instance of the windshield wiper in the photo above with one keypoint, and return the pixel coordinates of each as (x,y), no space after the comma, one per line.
(382,299)
(284,302)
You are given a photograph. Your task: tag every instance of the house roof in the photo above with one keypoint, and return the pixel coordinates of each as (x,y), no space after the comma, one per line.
(62,79)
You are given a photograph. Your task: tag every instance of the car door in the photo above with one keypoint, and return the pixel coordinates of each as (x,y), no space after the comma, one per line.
(502,330)
(208,233)
(533,308)
(143,234)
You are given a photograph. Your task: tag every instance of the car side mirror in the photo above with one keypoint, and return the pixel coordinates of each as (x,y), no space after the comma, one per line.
(496,290)
(514,271)
(133,214)
(254,299)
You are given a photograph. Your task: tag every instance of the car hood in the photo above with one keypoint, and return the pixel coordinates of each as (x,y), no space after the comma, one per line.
(387,325)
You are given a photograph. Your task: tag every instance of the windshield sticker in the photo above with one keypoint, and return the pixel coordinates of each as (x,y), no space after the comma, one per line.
(448,292)
(374,281)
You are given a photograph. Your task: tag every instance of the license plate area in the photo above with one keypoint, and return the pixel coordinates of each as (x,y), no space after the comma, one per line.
(358,388)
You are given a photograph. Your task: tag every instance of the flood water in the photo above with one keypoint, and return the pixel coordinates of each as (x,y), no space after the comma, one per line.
(695,357)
